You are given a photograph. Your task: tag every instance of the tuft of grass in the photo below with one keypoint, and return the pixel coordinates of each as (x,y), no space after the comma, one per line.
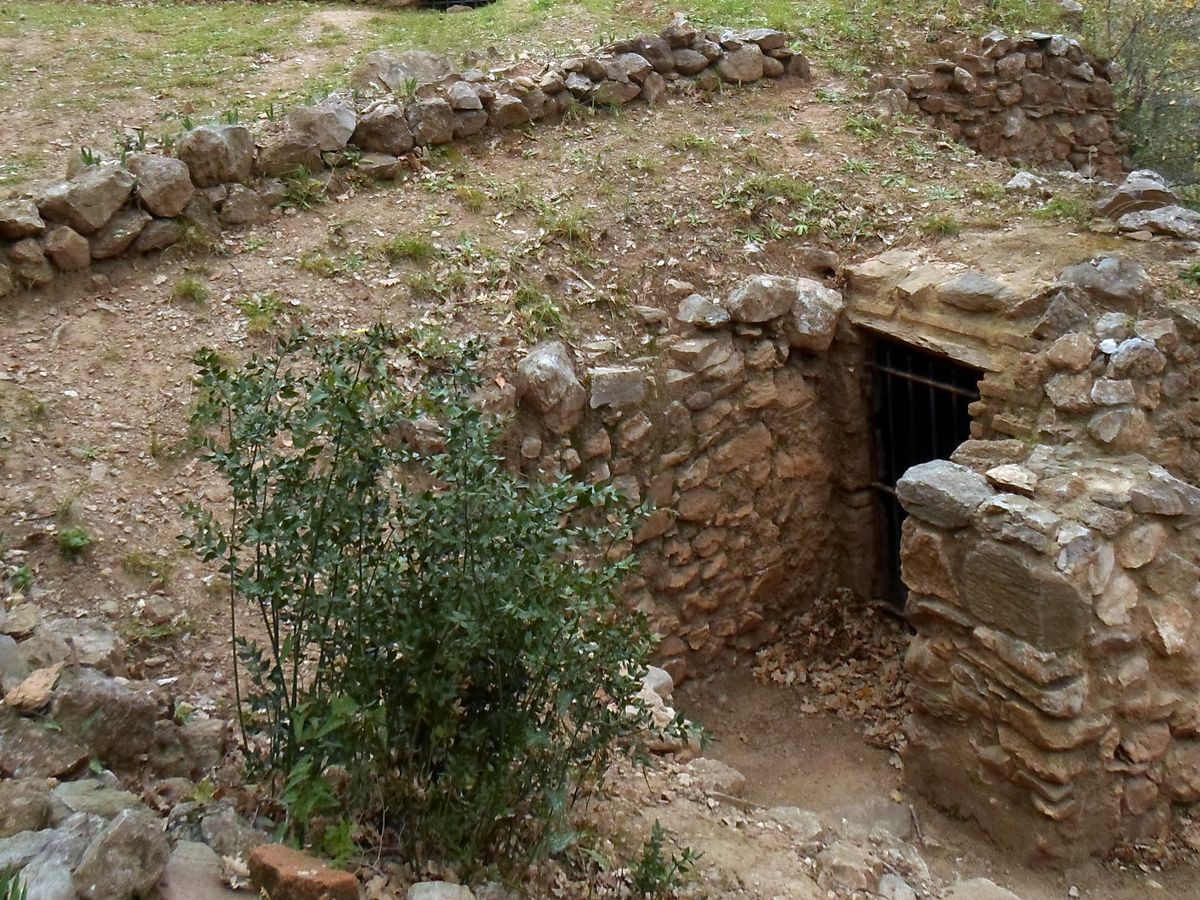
(569,226)
(190,289)
(1191,275)
(74,541)
(540,313)
(417,248)
(693,143)
(154,570)
(301,190)
(940,225)
(319,263)
(1064,209)
(987,190)
(471,197)
(261,310)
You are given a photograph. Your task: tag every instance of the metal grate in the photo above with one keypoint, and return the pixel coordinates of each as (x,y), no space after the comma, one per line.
(920,413)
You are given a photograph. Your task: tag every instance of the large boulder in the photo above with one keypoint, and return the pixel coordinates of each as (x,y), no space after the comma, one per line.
(91,643)
(761,298)
(1169,221)
(546,380)
(742,65)
(218,154)
(19,219)
(384,71)
(814,318)
(164,185)
(88,200)
(120,231)
(1141,189)
(942,493)
(125,860)
(384,129)
(328,124)
(243,207)
(431,120)
(288,152)
(1112,280)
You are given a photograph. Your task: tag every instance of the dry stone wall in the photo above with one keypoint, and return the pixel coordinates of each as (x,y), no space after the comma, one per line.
(730,435)
(225,176)
(1038,99)
(1052,563)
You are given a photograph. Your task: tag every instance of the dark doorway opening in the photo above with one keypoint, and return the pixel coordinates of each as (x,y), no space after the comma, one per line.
(920,411)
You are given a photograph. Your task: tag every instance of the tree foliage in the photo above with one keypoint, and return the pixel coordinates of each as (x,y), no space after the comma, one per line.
(1156,47)
(439,651)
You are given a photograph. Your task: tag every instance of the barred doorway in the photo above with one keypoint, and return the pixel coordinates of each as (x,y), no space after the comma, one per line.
(920,405)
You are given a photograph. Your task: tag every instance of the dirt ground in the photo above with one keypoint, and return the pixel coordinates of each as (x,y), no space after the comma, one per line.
(589,218)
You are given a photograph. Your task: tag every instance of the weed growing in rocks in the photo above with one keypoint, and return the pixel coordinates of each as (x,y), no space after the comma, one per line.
(74,541)
(189,288)
(442,660)
(940,225)
(657,874)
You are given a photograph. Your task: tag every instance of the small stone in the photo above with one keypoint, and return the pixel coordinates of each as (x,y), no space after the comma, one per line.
(742,65)
(1115,280)
(1026,183)
(1140,545)
(761,298)
(164,184)
(218,154)
(439,890)
(1142,189)
(88,200)
(24,806)
(614,93)
(507,111)
(1112,392)
(68,249)
(328,124)
(546,379)
(126,859)
(158,235)
(942,493)
(287,874)
(616,386)
(35,691)
(1136,358)
(431,120)
(1072,352)
(1170,221)
(385,129)
(243,206)
(701,312)
(688,61)
(815,313)
(975,292)
(288,152)
(121,231)
(1013,478)
(29,263)
(91,797)
(19,219)
(714,775)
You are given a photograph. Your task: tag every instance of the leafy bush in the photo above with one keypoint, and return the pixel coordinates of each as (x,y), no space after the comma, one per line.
(1156,45)
(657,875)
(439,651)
(73,541)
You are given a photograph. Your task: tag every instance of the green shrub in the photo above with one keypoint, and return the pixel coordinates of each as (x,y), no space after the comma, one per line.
(657,875)
(441,653)
(73,541)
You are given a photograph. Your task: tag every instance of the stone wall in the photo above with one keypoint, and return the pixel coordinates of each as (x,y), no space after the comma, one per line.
(732,433)
(1037,99)
(1052,563)
(224,176)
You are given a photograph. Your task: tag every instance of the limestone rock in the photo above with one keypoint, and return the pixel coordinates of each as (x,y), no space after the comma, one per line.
(384,129)
(19,219)
(328,124)
(942,493)
(439,890)
(91,797)
(29,264)
(286,152)
(688,61)
(1141,190)
(844,868)
(287,874)
(164,185)
(29,750)
(546,380)
(431,120)
(91,643)
(87,200)
(225,831)
(1110,279)
(24,806)
(383,70)
(117,719)
(616,386)
(34,693)
(243,207)
(714,775)
(814,316)
(701,312)
(462,96)
(1170,221)
(120,231)
(218,154)
(126,859)
(68,249)
(761,298)
(614,93)
(975,292)
(158,235)
(766,38)
(507,111)
(194,873)
(978,889)
(1072,352)
(742,65)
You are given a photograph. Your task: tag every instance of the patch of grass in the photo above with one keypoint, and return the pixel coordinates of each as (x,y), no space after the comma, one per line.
(74,541)
(154,570)
(301,190)
(261,310)
(541,315)
(417,248)
(319,263)
(471,197)
(568,225)
(987,190)
(1064,209)
(940,225)
(805,135)
(693,143)
(866,127)
(1191,275)
(188,288)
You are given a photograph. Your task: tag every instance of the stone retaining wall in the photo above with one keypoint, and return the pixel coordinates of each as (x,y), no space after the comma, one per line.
(733,435)
(1037,99)
(224,176)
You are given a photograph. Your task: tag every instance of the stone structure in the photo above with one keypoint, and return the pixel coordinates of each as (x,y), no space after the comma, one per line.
(1038,99)
(731,435)
(225,176)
